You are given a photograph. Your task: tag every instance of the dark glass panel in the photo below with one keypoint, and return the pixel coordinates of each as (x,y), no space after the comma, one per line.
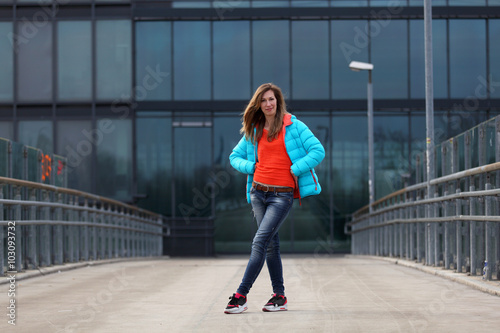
(389,58)
(417,59)
(113,141)
(271,54)
(74,54)
(467,56)
(34,62)
(154,163)
(114,59)
(231,60)
(494,38)
(234,225)
(192,78)
(310,59)
(76,142)
(391,137)
(349,42)
(7,61)
(37,134)
(153,62)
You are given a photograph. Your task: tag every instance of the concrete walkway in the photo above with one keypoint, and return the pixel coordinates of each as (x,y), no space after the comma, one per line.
(325,294)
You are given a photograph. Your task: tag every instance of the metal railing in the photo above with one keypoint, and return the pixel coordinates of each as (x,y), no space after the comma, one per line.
(45,225)
(457,226)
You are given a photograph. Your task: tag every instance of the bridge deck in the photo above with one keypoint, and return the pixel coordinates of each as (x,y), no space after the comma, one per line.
(325,294)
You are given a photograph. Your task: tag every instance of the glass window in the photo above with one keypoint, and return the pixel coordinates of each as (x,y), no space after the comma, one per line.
(420,3)
(114,158)
(77,141)
(467,2)
(114,59)
(34,67)
(37,134)
(391,137)
(190,4)
(265,3)
(309,3)
(234,224)
(74,61)
(467,56)
(390,59)
(192,58)
(309,225)
(6,130)
(349,3)
(7,61)
(350,161)
(153,67)
(310,60)
(231,60)
(194,184)
(154,163)
(271,66)
(417,59)
(349,42)
(494,56)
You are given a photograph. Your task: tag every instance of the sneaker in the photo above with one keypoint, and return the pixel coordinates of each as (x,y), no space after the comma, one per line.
(237,304)
(276,303)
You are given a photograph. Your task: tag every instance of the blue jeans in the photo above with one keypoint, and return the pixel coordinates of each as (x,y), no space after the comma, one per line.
(270,210)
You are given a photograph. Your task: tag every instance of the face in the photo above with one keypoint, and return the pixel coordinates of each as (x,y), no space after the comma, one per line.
(268,103)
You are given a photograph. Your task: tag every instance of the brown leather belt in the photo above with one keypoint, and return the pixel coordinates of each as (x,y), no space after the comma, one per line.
(266,188)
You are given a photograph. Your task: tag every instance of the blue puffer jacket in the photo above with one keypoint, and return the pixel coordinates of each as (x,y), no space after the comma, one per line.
(303,148)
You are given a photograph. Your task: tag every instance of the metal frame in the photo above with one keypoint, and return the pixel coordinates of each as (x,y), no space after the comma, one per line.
(456,227)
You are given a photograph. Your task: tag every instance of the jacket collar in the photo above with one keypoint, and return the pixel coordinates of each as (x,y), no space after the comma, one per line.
(287,119)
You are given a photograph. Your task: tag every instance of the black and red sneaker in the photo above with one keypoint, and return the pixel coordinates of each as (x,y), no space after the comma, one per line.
(276,303)
(237,304)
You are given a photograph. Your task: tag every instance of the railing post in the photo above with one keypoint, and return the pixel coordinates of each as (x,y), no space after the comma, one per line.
(467,186)
(436,226)
(68,233)
(2,218)
(459,233)
(46,237)
(488,234)
(58,234)
(447,234)
(160,237)
(94,231)
(473,231)
(19,229)
(32,239)
(116,235)
(123,234)
(85,231)
(101,232)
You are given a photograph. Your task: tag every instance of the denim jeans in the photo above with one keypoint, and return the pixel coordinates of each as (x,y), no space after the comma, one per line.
(270,210)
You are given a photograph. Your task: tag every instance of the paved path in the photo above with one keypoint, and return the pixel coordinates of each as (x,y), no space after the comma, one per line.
(335,294)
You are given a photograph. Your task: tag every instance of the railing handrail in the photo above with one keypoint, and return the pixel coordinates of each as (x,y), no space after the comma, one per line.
(455,176)
(86,195)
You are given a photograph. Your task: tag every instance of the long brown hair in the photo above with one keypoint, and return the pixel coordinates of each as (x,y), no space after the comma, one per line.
(253,117)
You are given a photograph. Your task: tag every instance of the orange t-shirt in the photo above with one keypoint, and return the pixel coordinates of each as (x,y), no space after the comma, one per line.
(273,167)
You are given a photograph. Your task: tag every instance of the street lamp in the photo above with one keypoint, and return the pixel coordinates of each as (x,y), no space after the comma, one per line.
(364,66)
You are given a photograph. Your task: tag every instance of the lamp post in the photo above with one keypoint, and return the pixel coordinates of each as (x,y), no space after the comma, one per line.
(364,66)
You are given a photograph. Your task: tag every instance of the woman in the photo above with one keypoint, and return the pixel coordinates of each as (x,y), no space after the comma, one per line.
(278,152)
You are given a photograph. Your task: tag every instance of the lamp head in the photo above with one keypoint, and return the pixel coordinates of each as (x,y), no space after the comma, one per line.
(360,66)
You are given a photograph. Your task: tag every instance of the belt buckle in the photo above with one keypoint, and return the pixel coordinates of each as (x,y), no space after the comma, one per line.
(267,190)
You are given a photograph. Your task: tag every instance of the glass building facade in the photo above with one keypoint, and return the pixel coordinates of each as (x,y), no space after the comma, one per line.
(145,97)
